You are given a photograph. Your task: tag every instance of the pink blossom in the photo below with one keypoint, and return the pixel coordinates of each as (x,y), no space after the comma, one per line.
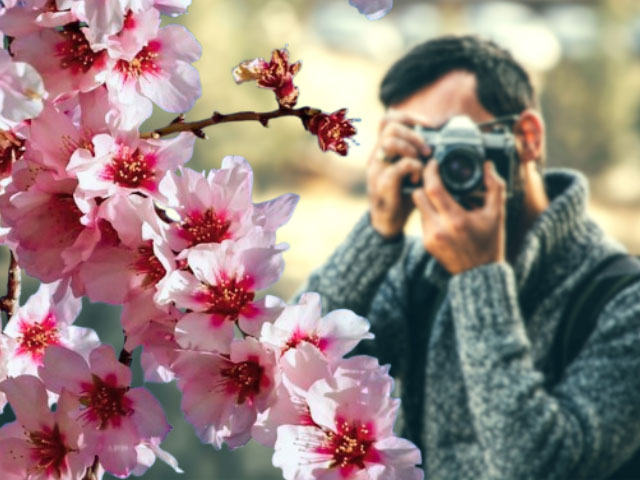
(32,15)
(63,128)
(147,452)
(64,58)
(217,206)
(126,164)
(46,320)
(106,17)
(7,345)
(352,436)
(300,368)
(222,394)
(146,324)
(41,444)
(276,75)
(21,91)
(133,264)
(160,71)
(172,7)
(334,335)
(372,9)
(10,3)
(220,290)
(51,233)
(332,130)
(115,417)
(138,28)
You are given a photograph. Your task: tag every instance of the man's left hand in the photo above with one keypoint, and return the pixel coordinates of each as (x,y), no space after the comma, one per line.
(462,239)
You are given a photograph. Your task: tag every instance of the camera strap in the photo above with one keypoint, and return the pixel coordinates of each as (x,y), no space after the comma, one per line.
(588,299)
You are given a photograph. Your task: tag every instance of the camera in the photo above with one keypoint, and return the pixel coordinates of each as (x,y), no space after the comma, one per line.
(461,147)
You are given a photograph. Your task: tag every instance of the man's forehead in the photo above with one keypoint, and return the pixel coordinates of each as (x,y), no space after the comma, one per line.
(452,94)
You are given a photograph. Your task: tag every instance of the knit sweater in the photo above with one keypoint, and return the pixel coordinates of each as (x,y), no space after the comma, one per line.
(477,391)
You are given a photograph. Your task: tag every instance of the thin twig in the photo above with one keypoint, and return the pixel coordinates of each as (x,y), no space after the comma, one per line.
(179,125)
(92,471)
(10,302)
(125,357)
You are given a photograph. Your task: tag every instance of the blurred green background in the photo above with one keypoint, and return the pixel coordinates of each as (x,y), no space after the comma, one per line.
(584,57)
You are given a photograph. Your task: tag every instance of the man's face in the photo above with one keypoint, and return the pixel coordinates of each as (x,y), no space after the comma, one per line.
(453,94)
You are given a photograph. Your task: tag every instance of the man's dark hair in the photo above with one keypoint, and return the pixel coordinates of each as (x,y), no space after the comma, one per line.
(503,86)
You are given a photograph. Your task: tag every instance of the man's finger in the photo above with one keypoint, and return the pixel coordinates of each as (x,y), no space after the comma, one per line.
(397,147)
(409,135)
(391,177)
(424,205)
(407,166)
(437,192)
(495,198)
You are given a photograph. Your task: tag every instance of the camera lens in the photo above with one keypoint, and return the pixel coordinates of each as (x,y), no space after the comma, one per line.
(461,169)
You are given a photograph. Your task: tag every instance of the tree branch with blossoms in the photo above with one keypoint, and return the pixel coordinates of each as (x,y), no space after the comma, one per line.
(179,125)
(277,75)
(92,207)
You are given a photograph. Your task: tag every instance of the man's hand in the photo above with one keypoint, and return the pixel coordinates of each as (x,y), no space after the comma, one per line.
(462,239)
(396,138)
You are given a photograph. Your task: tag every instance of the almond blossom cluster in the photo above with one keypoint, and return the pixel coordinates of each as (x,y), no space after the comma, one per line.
(92,207)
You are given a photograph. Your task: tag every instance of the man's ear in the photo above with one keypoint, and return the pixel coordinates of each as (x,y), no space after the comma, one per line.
(530,132)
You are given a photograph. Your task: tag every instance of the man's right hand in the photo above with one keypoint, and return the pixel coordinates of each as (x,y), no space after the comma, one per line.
(390,208)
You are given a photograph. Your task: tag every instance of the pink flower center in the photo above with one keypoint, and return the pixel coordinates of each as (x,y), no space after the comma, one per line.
(37,336)
(60,218)
(228,298)
(70,145)
(129,22)
(350,446)
(244,378)
(49,451)
(207,227)
(299,336)
(145,62)
(147,264)
(106,402)
(75,52)
(130,168)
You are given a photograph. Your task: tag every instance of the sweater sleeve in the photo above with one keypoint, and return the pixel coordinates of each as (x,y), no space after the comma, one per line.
(587,425)
(365,275)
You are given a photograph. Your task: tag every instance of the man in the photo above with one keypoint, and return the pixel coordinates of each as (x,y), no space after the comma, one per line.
(472,371)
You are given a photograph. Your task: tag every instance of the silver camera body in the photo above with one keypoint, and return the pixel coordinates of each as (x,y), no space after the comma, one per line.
(460,147)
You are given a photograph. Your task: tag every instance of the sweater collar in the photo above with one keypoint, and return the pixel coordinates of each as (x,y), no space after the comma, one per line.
(564,225)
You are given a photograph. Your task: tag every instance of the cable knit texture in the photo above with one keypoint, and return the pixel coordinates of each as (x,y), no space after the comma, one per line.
(475,389)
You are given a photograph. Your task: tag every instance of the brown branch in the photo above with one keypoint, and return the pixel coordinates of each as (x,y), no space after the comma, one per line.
(11,301)
(179,125)
(92,471)
(125,356)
